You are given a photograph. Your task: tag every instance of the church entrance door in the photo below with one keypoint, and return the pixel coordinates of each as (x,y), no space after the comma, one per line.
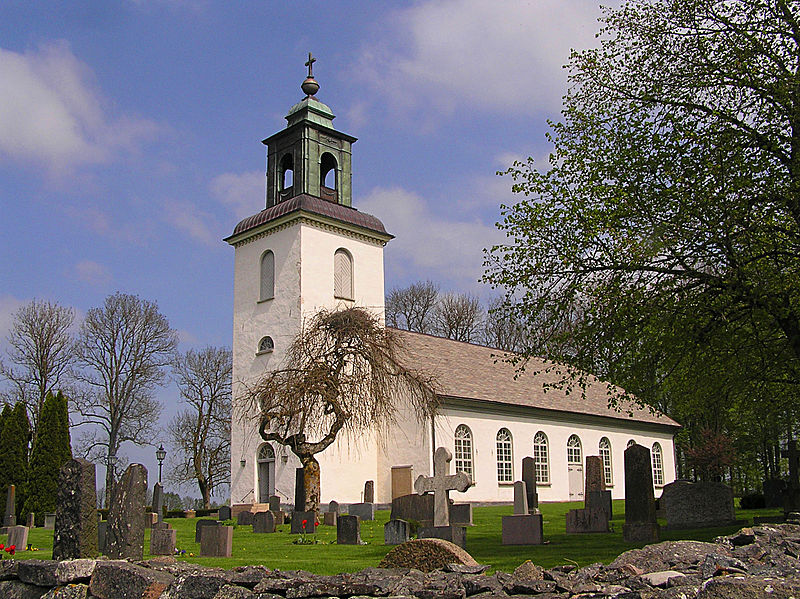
(266,472)
(575,477)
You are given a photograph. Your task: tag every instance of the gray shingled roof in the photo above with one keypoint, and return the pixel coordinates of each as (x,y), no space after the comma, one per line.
(468,371)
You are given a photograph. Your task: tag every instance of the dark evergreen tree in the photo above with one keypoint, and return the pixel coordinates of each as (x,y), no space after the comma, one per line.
(16,436)
(5,475)
(51,450)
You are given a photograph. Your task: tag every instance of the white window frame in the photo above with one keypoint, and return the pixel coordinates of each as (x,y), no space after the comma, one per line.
(541,458)
(268,350)
(605,454)
(658,464)
(574,450)
(505,457)
(463,450)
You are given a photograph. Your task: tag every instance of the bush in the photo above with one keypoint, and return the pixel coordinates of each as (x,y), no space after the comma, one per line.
(752,501)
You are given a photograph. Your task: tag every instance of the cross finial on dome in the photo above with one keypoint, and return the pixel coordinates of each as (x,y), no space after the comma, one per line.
(310,86)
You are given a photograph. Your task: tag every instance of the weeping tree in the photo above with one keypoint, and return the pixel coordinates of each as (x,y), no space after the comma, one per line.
(343,375)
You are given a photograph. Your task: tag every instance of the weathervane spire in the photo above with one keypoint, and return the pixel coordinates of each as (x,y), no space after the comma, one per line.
(310,86)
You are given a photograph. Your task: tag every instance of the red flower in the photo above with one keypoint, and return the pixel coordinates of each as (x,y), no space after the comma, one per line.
(304,522)
(12,549)
(2,546)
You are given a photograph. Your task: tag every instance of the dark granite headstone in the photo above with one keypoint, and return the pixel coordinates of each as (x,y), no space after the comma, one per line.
(697,505)
(299,490)
(529,478)
(75,528)
(199,525)
(158,502)
(586,520)
(418,508)
(595,477)
(274,503)
(125,534)
(369,491)
(522,529)
(365,511)
(224,512)
(9,517)
(774,489)
(244,518)
(395,532)
(461,514)
(298,518)
(217,541)
(640,505)
(263,522)
(348,530)
(162,541)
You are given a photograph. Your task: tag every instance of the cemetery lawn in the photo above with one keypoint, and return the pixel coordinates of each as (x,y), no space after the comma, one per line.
(277,551)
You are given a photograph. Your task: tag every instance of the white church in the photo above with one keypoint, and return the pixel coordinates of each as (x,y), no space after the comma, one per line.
(310,249)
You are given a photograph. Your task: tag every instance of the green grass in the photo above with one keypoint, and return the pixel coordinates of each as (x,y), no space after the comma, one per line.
(483,543)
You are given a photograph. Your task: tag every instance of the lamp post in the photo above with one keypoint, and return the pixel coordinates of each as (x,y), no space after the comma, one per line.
(161,453)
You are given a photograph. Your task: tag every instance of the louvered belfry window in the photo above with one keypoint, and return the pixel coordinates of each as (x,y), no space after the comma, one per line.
(342,275)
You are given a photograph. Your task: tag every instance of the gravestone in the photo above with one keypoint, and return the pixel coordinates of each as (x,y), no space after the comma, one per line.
(333,507)
(402,481)
(224,512)
(441,483)
(17,536)
(102,528)
(791,496)
(461,514)
(200,525)
(529,478)
(158,502)
(414,507)
(217,541)
(49,521)
(697,505)
(263,522)
(523,528)
(244,518)
(329,518)
(369,491)
(297,522)
(365,511)
(162,541)
(586,520)
(299,490)
(774,489)
(348,530)
(75,527)
(595,494)
(395,532)
(30,522)
(125,533)
(280,518)
(640,505)
(274,503)
(9,517)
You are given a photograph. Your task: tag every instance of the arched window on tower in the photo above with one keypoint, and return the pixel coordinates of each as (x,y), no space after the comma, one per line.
(463,446)
(605,455)
(266,345)
(267,276)
(505,461)
(287,173)
(342,274)
(658,465)
(541,458)
(327,177)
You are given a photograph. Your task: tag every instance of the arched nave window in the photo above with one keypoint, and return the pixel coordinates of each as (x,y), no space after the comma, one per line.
(463,445)
(574,453)
(605,455)
(658,465)
(541,457)
(267,275)
(505,461)
(343,274)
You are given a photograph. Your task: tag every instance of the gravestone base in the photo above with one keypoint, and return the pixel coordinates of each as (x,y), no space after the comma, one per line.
(601,500)
(641,532)
(18,536)
(395,532)
(365,511)
(348,530)
(297,522)
(587,520)
(329,518)
(461,514)
(523,529)
(162,541)
(455,534)
(217,541)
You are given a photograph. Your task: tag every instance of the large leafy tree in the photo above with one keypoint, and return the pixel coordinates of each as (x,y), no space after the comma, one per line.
(663,243)
(52,448)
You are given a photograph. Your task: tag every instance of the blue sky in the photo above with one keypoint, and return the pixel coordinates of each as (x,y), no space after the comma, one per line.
(130,136)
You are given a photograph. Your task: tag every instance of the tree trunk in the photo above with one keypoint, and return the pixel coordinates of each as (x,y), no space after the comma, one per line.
(311,480)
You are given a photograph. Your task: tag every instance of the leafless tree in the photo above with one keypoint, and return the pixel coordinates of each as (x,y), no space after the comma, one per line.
(201,433)
(343,375)
(41,353)
(124,346)
(458,316)
(502,330)
(412,308)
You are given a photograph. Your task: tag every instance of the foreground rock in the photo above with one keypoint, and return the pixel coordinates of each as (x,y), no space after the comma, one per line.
(760,562)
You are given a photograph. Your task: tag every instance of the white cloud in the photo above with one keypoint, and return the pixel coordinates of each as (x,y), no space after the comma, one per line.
(497,56)
(8,306)
(94,273)
(52,114)
(243,193)
(199,225)
(429,246)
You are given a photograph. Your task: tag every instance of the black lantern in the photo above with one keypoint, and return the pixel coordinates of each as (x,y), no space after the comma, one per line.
(161,453)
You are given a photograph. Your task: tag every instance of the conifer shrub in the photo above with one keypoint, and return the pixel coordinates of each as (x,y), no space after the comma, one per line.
(16,436)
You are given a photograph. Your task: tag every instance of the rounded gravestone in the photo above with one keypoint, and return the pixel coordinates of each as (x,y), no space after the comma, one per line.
(426,555)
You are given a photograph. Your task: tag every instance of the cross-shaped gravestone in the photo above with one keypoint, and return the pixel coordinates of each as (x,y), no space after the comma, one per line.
(441,483)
